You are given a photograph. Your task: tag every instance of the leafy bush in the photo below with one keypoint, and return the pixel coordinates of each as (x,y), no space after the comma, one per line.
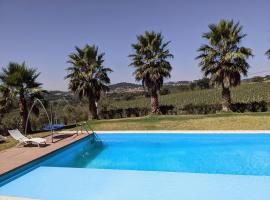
(164,91)
(121,113)
(255,106)
(129,97)
(9,121)
(201,109)
(260,106)
(167,109)
(200,84)
(257,79)
(238,107)
(147,94)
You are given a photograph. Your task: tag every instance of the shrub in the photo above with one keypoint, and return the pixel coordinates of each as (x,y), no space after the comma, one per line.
(129,97)
(238,107)
(260,106)
(201,109)
(9,121)
(167,109)
(255,106)
(121,113)
(257,79)
(147,94)
(164,91)
(201,84)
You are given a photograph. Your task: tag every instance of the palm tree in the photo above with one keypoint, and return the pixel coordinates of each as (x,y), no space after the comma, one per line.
(223,59)
(18,80)
(87,76)
(151,63)
(268,53)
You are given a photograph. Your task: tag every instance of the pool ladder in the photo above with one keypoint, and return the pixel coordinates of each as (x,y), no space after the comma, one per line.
(83,127)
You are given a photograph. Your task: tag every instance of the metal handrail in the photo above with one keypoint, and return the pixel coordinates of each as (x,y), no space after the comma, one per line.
(82,125)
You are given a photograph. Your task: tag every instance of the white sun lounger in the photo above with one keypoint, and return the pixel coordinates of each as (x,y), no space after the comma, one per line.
(16,134)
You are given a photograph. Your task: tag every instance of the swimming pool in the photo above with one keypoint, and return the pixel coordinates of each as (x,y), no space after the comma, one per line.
(196,153)
(213,155)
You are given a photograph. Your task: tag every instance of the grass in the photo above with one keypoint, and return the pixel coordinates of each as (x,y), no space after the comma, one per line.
(7,144)
(222,121)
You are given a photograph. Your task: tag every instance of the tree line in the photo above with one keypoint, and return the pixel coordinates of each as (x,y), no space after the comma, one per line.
(222,61)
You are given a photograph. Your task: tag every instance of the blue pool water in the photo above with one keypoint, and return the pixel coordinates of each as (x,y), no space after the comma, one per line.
(205,153)
(149,167)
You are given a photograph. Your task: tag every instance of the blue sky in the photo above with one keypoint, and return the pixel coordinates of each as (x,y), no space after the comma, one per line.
(44,33)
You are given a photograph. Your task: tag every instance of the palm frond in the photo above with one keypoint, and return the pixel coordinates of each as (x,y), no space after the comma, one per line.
(268,53)
(223,59)
(87,75)
(6,98)
(19,77)
(150,59)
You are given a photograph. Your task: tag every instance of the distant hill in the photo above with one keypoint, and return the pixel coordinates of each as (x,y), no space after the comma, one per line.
(125,87)
(56,95)
(178,83)
(122,87)
(257,79)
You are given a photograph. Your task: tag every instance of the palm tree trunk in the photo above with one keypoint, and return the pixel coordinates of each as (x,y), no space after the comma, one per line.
(154,102)
(23,115)
(92,109)
(226,99)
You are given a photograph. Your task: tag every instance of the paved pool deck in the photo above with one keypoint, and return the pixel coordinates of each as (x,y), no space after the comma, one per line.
(106,184)
(18,156)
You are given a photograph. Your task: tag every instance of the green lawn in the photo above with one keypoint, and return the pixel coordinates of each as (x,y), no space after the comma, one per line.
(230,121)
